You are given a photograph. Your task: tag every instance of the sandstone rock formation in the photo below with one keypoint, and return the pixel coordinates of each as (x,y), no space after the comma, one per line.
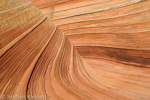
(78,50)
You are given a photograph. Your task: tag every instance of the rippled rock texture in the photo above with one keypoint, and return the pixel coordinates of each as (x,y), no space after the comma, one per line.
(78,50)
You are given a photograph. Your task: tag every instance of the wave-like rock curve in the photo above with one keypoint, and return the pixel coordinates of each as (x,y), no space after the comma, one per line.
(38,60)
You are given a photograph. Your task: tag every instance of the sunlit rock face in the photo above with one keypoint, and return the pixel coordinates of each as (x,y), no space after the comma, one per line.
(78,50)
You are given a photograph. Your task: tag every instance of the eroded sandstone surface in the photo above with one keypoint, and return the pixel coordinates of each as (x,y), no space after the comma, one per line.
(75,49)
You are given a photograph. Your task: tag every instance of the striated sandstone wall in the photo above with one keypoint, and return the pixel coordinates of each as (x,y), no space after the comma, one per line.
(106,55)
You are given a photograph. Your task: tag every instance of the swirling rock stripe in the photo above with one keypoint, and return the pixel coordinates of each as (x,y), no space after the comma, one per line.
(37,58)
(42,61)
(113,37)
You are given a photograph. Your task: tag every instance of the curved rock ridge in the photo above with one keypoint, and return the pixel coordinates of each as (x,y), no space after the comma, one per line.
(112,36)
(108,57)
